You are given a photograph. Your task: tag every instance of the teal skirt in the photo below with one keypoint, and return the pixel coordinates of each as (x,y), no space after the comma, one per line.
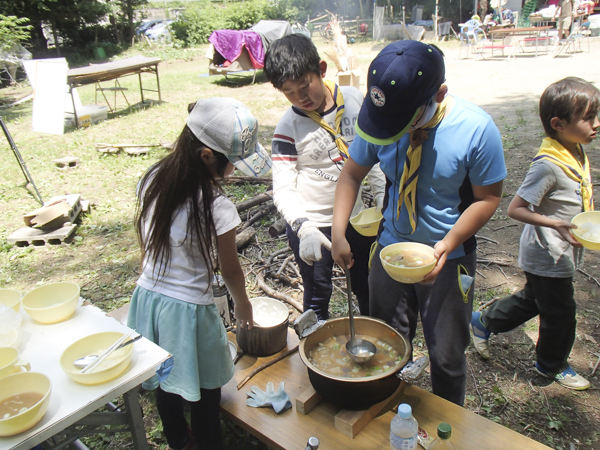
(193,334)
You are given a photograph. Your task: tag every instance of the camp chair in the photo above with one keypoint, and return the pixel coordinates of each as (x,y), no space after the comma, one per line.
(473,31)
(573,43)
(470,35)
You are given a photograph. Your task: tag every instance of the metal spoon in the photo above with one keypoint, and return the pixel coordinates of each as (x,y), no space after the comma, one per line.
(359,350)
(87,360)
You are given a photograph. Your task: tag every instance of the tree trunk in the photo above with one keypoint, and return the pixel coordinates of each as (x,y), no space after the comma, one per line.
(55,35)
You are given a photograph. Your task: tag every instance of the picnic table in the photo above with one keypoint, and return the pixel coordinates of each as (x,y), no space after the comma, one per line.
(502,39)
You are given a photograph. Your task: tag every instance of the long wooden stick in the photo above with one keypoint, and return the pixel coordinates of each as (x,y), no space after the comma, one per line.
(265,365)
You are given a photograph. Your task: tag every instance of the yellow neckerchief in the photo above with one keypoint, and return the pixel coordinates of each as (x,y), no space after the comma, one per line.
(410,174)
(338,98)
(554,151)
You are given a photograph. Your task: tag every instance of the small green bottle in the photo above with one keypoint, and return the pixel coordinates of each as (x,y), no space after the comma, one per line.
(443,442)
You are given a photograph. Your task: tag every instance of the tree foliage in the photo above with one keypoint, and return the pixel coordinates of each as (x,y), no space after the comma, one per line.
(13,30)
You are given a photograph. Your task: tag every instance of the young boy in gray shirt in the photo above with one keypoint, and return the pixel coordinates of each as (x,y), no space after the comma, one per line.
(557,187)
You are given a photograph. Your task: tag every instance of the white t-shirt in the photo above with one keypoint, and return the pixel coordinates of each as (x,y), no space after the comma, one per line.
(307,163)
(188,277)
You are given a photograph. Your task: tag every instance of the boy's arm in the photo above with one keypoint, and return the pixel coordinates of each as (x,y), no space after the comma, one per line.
(519,210)
(486,200)
(346,192)
(234,277)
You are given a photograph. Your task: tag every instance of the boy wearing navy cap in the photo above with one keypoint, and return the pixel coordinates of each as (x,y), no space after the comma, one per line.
(444,162)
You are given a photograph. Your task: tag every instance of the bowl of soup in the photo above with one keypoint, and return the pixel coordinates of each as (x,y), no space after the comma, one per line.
(24,399)
(407,262)
(51,303)
(588,229)
(347,384)
(367,221)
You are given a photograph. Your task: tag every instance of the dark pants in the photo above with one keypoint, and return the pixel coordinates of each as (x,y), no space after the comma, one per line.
(444,315)
(553,300)
(316,279)
(205,419)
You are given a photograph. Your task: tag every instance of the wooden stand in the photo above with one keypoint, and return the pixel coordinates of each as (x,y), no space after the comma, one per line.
(349,422)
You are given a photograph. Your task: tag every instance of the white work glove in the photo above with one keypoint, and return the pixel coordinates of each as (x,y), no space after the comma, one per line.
(379,204)
(311,240)
(280,400)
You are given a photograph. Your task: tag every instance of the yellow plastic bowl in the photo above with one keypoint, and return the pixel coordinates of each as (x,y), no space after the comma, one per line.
(18,384)
(113,366)
(52,302)
(11,298)
(407,274)
(580,219)
(367,221)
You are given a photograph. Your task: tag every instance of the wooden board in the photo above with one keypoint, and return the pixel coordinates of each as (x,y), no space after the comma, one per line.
(291,430)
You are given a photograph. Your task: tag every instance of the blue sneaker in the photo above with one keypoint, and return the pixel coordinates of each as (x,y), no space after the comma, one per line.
(481,335)
(567,378)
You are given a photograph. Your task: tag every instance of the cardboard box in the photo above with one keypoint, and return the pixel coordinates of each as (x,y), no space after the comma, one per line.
(55,213)
(349,78)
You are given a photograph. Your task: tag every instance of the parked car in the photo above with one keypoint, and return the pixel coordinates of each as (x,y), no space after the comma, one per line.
(160,31)
(146,25)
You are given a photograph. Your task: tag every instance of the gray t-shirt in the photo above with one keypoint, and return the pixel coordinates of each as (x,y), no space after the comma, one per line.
(553,194)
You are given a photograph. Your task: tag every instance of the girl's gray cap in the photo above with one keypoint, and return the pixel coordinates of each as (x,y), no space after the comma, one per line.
(226,126)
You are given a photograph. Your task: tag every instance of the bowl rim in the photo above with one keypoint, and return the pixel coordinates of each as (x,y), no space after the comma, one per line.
(384,262)
(47,393)
(32,308)
(95,372)
(385,374)
(353,219)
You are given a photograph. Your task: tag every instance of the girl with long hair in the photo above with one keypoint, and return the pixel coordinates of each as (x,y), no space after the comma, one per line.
(186,227)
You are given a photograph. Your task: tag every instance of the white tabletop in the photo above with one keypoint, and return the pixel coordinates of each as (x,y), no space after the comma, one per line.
(42,345)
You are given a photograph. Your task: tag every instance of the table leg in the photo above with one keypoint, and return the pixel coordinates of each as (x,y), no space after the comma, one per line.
(135,419)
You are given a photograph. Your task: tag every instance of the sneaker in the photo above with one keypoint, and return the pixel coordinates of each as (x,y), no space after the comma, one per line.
(567,378)
(481,335)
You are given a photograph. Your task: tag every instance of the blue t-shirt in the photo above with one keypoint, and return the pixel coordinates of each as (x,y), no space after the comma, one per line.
(464,149)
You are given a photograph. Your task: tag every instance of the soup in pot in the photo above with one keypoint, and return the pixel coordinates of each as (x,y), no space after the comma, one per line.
(19,403)
(331,357)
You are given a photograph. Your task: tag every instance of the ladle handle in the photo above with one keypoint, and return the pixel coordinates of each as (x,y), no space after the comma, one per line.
(350,307)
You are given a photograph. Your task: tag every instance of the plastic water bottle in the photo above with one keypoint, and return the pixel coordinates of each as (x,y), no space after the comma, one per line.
(404,429)
(443,442)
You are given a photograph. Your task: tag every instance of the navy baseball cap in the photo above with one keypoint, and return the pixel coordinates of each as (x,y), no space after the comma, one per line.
(401,79)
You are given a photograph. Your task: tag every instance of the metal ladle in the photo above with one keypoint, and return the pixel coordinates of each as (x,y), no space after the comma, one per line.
(87,360)
(359,350)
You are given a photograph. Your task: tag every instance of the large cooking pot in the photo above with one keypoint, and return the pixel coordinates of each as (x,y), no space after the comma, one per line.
(355,393)
(269,333)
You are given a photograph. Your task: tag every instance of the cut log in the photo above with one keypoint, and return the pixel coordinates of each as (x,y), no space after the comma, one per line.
(261,212)
(256,200)
(278,228)
(244,238)
(244,179)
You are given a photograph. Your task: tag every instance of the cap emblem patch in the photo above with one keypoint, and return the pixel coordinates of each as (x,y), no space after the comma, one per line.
(377,96)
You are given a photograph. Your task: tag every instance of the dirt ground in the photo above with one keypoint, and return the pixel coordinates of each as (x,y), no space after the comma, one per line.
(506,388)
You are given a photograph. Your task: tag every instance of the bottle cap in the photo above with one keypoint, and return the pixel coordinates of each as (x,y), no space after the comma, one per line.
(404,411)
(444,430)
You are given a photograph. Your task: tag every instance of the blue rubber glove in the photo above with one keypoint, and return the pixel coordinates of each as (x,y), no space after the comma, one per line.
(280,400)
